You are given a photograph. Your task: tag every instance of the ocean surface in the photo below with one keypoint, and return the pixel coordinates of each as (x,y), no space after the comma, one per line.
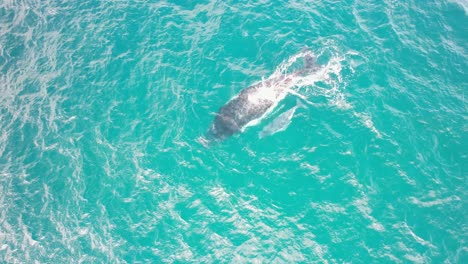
(104,106)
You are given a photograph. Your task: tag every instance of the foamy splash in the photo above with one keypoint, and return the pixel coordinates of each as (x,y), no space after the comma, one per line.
(325,80)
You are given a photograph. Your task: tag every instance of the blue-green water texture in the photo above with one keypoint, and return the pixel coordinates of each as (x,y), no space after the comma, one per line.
(105,106)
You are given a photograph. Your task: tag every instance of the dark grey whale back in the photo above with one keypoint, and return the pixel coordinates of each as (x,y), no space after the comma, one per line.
(237,113)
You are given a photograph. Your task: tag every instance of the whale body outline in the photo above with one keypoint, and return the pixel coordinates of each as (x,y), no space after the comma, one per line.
(255,102)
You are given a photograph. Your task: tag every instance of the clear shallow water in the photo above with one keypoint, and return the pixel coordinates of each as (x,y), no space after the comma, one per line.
(102,103)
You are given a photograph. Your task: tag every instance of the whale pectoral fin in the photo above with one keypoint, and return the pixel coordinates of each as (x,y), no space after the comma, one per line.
(291,91)
(299,104)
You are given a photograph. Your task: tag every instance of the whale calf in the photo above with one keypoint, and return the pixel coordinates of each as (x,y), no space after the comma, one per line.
(253,103)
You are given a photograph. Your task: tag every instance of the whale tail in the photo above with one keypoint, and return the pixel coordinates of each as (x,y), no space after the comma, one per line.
(310,61)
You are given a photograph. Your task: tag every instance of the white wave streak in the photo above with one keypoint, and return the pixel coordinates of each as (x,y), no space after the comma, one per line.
(32,74)
(462,3)
(251,221)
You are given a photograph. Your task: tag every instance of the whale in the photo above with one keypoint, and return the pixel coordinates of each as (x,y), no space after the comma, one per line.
(254,102)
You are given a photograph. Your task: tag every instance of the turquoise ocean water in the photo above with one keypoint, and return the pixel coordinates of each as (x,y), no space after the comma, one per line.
(103,105)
